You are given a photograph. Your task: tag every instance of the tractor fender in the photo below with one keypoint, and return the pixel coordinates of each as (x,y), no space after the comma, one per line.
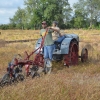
(65,45)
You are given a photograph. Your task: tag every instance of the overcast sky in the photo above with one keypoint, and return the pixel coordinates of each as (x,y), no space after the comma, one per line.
(9,7)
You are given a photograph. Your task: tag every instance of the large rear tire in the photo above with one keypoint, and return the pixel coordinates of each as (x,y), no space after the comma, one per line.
(72,57)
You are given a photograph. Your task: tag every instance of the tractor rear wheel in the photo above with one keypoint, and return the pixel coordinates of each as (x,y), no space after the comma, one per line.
(72,57)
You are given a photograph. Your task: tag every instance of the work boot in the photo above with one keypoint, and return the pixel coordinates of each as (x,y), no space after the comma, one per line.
(49,70)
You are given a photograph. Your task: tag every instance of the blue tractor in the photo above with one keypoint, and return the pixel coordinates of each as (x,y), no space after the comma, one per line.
(67,50)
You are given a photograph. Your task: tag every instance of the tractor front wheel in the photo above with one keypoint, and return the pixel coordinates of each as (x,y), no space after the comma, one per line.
(84,55)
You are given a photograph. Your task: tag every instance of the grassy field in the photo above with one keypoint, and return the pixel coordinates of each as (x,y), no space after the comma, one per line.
(81,82)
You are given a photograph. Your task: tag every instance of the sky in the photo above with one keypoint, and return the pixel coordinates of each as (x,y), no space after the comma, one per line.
(9,7)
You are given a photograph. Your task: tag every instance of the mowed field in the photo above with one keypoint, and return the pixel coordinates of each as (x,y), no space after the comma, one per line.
(81,82)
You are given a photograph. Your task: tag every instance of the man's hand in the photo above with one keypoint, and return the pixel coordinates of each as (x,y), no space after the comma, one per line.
(49,27)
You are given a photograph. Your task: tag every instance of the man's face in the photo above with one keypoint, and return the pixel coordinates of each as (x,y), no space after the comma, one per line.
(53,24)
(44,25)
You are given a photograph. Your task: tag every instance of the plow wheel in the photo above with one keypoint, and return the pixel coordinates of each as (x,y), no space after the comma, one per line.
(5,80)
(38,66)
(34,71)
(72,57)
(84,55)
(20,77)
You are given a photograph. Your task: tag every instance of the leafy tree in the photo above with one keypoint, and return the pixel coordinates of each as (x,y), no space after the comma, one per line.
(18,19)
(79,20)
(36,11)
(90,9)
(49,10)
(4,26)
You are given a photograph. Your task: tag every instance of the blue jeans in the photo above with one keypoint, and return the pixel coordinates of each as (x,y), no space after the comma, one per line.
(60,39)
(48,51)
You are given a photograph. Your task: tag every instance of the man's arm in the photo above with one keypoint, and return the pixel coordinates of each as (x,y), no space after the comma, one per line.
(55,29)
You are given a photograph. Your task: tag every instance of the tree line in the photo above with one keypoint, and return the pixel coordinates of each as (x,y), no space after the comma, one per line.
(84,14)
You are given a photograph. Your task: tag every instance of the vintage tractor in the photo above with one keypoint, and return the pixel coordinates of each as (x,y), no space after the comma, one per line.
(66,50)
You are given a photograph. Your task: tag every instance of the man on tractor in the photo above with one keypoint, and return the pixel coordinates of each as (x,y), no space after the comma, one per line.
(57,37)
(57,33)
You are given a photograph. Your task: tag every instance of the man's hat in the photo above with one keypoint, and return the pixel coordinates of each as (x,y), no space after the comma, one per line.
(55,22)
